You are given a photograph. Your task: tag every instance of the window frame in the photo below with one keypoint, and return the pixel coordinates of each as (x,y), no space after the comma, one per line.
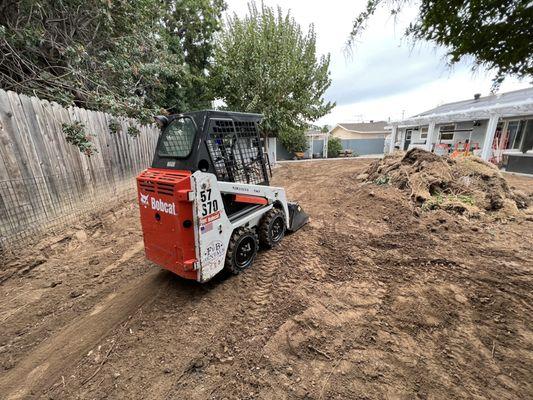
(424,135)
(164,133)
(441,139)
(521,127)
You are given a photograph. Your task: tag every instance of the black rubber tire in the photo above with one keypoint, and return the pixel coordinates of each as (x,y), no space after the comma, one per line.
(235,261)
(269,236)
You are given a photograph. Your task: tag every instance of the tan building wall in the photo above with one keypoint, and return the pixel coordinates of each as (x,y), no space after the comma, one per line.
(342,133)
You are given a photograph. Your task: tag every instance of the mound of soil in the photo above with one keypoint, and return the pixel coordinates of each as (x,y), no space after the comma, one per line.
(467,185)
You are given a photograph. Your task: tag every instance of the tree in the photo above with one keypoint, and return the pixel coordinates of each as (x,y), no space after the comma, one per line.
(334,147)
(133,58)
(496,33)
(190,27)
(266,64)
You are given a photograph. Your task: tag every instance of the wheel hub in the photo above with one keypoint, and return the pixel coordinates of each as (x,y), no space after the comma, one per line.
(245,252)
(277,229)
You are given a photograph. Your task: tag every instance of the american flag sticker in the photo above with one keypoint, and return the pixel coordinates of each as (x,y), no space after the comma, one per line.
(206,228)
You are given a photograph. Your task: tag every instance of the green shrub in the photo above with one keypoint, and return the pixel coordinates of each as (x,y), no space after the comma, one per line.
(294,141)
(334,147)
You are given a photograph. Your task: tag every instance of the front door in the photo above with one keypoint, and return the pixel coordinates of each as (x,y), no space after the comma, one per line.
(407,140)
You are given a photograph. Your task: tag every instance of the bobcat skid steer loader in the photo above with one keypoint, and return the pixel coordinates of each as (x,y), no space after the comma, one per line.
(206,204)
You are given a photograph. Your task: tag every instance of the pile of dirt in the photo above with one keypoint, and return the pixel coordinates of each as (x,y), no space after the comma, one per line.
(467,185)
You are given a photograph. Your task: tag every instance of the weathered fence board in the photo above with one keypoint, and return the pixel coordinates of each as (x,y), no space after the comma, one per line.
(45,180)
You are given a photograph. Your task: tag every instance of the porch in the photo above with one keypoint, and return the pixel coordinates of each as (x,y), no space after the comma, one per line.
(500,133)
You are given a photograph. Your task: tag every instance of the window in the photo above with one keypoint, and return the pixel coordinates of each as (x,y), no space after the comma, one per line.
(424,132)
(527,142)
(515,133)
(447,132)
(177,138)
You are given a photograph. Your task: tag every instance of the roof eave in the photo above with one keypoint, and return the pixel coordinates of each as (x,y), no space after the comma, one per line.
(519,108)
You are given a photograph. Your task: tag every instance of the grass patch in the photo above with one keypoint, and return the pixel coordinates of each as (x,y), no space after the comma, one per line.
(439,199)
(382,180)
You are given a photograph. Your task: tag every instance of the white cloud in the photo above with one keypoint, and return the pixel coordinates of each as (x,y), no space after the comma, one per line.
(386,75)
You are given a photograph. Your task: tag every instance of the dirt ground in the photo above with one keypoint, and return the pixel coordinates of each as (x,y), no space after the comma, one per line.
(368,301)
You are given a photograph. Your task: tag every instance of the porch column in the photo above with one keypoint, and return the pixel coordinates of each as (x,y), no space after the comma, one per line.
(431,136)
(393,135)
(325,147)
(489,137)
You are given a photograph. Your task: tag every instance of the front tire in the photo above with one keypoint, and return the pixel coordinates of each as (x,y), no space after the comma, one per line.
(242,250)
(272,228)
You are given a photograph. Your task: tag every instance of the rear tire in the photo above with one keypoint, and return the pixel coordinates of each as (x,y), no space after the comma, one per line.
(272,228)
(242,250)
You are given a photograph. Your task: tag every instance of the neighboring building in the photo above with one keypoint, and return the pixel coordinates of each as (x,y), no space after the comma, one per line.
(498,128)
(318,147)
(362,137)
(318,144)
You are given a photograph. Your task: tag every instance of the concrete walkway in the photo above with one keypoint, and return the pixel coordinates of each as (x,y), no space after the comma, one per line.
(370,156)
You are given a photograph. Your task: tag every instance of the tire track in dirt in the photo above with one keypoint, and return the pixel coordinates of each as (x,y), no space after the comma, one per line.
(128,254)
(262,280)
(271,277)
(48,361)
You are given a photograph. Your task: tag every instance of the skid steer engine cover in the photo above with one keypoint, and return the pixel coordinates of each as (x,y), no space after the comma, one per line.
(167,219)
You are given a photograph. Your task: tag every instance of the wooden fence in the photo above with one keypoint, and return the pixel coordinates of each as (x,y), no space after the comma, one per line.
(44,179)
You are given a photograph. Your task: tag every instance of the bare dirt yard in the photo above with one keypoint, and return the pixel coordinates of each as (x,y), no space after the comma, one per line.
(371,300)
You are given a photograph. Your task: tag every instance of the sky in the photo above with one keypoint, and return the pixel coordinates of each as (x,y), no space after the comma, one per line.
(386,76)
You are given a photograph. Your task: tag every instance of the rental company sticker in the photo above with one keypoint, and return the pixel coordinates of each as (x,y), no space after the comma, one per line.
(213,251)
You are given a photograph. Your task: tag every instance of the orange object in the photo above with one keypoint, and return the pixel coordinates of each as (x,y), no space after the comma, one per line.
(241,198)
(167,219)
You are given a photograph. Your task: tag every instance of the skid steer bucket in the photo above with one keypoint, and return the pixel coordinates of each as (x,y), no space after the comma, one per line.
(297,217)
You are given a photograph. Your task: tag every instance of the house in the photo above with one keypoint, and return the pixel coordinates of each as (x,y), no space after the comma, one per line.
(318,147)
(498,128)
(362,137)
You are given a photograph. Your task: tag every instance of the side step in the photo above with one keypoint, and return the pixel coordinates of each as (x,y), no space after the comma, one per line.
(247,210)
(297,216)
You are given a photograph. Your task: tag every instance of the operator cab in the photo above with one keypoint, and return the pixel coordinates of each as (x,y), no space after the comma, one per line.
(226,144)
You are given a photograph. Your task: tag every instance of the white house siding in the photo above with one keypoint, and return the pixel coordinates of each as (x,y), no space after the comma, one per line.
(478,134)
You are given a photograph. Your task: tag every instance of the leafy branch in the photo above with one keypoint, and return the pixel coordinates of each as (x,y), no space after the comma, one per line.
(496,34)
(76,135)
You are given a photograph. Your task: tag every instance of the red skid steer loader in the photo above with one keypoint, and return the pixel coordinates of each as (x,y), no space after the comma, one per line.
(206,204)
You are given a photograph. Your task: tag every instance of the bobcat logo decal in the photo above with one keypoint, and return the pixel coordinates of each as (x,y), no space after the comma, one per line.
(144,199)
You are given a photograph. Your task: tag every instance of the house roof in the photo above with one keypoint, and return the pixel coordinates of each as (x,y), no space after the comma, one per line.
(364,127)
(518,102)
(500,98)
